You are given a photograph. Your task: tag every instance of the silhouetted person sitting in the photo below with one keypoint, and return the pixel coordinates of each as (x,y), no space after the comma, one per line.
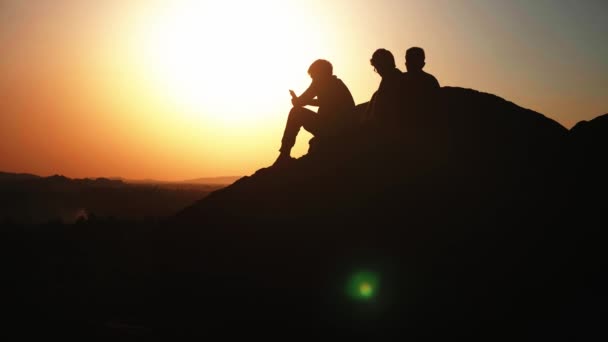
(335,113)
(420,88)
(385,104)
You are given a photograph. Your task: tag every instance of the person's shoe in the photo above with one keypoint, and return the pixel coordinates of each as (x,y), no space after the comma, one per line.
(283,160)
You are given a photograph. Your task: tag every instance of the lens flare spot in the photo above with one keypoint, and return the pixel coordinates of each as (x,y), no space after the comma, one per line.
(366,290)
(363,286)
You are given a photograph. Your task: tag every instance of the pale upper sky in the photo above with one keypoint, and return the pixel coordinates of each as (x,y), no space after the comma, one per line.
(184,89)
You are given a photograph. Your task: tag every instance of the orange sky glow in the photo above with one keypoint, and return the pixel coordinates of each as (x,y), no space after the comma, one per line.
(175,90)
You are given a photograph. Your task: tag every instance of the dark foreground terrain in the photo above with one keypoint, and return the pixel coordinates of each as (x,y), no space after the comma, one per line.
(480,219)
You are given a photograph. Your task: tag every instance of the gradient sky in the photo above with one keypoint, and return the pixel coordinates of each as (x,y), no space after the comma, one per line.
(184,89)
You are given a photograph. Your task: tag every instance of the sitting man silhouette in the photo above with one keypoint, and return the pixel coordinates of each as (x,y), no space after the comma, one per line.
(385,104)
(336,106)
(420,88)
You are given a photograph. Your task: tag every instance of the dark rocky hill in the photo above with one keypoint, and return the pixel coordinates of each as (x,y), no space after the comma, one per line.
(465,213)
(475,147)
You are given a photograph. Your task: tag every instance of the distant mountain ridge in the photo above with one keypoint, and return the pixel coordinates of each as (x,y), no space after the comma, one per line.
(223,180)
(7,176)
(31,199)
(214,180)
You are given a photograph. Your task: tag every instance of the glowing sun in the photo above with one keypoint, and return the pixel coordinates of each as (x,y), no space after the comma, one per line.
(230,61)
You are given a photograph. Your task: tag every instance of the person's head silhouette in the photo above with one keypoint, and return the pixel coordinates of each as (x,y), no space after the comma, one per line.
(383,61)
(414,59)
(320,70)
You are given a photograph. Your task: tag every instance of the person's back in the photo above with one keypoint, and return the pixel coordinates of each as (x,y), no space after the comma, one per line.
(335,101)
(420,88)
(385,105)
(420,82)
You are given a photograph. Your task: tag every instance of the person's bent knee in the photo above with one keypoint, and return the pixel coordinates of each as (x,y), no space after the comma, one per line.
(297,115)
(296,111)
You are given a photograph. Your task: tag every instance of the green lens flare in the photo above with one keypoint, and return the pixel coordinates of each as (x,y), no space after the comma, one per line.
(363,286)
(366,290)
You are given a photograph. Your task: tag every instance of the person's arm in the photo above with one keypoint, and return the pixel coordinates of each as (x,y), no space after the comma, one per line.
(314,102)
(307,98)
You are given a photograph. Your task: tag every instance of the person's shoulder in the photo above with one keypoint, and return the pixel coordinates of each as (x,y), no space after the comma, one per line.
(338,82)
(395,77)
(409,75)
(429,75)
(431,78)
(396,73)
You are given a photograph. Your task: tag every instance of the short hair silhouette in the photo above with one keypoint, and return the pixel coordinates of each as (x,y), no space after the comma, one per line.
(320,67)
(414,58)
(383,58)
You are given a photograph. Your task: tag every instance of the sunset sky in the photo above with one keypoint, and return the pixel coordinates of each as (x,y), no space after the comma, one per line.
(181,89)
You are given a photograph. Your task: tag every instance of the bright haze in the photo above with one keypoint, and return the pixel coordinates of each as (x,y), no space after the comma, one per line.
(180,89)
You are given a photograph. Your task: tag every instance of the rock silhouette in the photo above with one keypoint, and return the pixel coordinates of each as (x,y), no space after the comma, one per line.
(466,213)
(474,141)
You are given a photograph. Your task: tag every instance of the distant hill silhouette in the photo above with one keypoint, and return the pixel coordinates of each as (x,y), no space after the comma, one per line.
(597,125)
(586,181)
(589,143)
(10,177)
(5,176)
(213,180)
(222,180)
(32,199)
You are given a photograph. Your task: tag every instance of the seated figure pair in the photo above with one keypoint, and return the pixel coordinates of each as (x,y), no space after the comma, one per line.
(397,92)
